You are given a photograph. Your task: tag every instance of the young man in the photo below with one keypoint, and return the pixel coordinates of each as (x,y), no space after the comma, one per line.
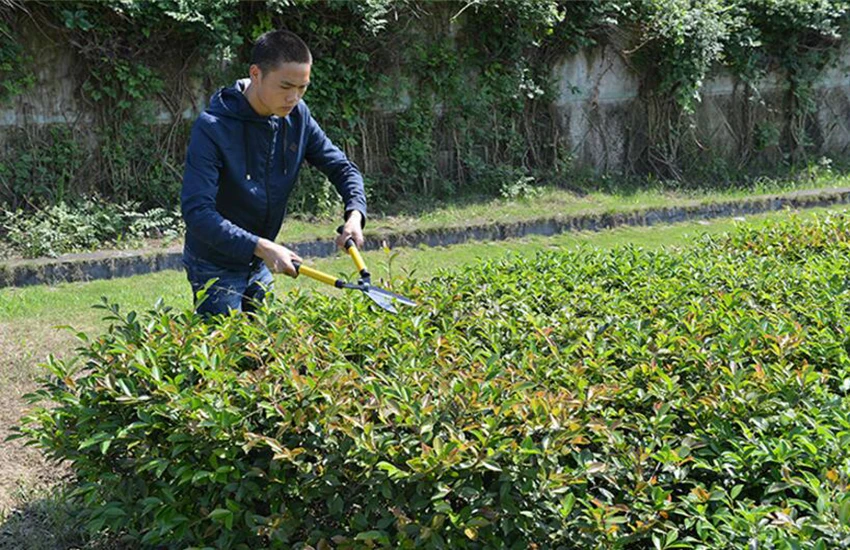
(244,155)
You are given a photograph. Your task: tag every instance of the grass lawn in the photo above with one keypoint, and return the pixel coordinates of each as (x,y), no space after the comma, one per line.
(604,197)
(595,198)
(70,303)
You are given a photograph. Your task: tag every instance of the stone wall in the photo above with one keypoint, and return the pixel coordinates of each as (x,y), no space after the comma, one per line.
(599,115)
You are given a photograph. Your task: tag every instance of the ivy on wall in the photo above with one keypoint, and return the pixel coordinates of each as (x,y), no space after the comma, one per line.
(434,99)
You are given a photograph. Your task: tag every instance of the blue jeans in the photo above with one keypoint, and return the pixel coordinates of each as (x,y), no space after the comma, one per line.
(240,290)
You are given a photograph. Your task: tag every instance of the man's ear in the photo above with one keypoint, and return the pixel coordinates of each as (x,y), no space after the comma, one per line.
(255,73)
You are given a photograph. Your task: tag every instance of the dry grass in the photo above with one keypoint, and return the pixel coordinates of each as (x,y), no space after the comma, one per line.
(22,347)
(32,516)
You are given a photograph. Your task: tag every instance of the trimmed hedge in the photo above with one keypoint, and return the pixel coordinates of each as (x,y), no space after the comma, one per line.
(690,398)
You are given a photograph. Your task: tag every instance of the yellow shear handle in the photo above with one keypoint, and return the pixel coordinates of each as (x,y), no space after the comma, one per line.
(320,276)
(351,248)
(355,255)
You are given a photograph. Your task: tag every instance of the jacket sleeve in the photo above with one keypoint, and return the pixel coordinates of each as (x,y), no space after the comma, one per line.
(332,162)
(198,198)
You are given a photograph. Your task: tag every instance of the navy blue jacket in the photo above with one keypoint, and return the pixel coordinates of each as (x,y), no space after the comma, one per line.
(241,168)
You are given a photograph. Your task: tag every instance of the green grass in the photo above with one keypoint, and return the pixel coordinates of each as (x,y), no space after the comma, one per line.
(46,522)
(71,303)
(594,197)
(603,196)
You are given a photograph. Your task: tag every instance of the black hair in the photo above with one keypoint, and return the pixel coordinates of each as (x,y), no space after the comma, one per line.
(276,47)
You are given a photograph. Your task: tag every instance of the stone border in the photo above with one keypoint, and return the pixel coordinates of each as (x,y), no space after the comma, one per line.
(108,265)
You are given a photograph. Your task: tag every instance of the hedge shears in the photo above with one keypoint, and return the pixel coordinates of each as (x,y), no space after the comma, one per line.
(384,298)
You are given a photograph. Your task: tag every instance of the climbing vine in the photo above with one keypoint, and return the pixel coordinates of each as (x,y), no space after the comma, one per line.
(432,99)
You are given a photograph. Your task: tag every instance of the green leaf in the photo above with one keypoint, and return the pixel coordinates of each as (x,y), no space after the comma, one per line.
(567,503)
(491,466)
(220,515)
(375,536)
(736,490)
(392,470)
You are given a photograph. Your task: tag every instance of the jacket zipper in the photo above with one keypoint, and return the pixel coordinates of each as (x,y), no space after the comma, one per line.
(283,157)
(266,178)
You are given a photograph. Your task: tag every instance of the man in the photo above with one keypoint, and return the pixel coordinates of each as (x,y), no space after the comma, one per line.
(244,155)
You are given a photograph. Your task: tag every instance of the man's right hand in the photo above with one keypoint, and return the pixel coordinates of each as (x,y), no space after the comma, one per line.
(277,257)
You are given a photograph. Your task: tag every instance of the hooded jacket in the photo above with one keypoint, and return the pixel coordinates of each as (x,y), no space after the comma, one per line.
(240,170)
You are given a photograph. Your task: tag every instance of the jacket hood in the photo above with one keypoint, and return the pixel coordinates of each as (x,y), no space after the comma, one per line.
(231,102)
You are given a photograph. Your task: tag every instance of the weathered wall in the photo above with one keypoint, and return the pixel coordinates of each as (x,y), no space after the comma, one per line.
(833,115)
(59,74)
(601,117)
(597,93)
(599,114)
(54,98)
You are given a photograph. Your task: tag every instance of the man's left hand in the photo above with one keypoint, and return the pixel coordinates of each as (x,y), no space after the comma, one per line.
(353,229)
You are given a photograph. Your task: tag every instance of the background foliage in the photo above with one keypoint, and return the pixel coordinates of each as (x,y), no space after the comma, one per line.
(432,99)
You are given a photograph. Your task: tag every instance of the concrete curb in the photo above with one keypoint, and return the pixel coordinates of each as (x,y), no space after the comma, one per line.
(109,265)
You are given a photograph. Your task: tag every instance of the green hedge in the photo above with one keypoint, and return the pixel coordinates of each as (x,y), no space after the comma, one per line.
(626,399)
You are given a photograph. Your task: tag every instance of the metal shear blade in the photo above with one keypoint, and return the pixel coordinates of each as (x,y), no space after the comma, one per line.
(387,299)
(384,298)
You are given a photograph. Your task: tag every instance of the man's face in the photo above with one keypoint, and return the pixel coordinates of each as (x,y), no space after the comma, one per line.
(280,89)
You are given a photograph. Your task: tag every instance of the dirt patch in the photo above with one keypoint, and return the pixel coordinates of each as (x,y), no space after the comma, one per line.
(23,470)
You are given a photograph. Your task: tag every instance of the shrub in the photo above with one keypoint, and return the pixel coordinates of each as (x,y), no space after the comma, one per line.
(589,399)
(84,225)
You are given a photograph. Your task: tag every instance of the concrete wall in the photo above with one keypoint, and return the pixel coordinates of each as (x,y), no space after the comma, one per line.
(53,100)
(59,73)
(597,93)
(599,115)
